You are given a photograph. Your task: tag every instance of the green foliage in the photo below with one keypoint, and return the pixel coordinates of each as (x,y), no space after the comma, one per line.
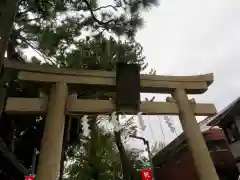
(107,160)
(157,146)
(102,53)
(106,155)
(56,27)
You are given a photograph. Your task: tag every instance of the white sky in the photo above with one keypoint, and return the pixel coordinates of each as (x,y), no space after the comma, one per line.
(190,37)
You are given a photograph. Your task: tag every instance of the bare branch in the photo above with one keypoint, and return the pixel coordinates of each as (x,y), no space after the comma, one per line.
(41,53)
(127,3)
(93,15)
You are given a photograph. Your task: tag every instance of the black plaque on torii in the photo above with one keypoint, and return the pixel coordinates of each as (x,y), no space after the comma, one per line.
(127,87)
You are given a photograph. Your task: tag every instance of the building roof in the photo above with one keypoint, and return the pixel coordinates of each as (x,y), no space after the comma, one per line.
(215,120)
(205,125)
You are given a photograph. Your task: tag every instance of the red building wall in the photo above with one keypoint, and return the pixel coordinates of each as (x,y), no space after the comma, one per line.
(214,134)
(180,165)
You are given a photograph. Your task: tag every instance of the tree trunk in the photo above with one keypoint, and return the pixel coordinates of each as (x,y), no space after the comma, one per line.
(8,9)
(127,167)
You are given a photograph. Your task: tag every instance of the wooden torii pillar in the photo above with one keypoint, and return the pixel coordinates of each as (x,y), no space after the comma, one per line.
(51,145)
(202,160)
(65,81)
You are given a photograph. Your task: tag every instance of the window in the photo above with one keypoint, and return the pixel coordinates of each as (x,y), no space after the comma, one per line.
(216,145)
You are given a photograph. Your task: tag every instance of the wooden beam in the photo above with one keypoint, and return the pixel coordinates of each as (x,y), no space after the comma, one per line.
(147,85)
(150,83)
(26,105)
(150,108)
(208,78)
(74,106)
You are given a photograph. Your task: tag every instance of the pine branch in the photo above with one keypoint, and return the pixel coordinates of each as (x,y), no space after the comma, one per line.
(38,51)
(108,6)
(93,15)
(127,3)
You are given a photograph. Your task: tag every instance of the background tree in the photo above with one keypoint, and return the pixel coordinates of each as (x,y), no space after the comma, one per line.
(52,28)
(107,155)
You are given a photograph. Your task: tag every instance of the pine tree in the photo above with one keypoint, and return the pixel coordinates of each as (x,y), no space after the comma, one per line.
(54,28)
(105,162)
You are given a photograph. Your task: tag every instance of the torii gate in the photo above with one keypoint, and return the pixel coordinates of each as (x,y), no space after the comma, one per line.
(64,83)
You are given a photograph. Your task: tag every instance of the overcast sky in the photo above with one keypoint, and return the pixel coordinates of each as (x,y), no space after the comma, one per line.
(189,37)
